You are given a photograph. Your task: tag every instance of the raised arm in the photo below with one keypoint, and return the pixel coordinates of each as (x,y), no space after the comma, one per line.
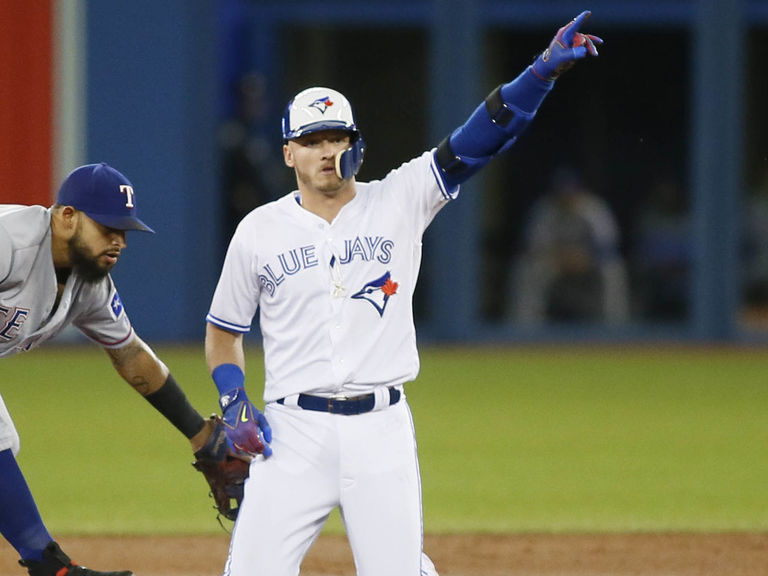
(495,124)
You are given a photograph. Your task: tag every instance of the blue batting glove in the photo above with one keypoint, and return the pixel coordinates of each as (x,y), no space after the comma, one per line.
(248,432)
(566,47)
(247,429)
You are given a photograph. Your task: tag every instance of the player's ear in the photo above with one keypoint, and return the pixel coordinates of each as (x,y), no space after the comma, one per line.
(65,218)
(69,216)
(288,155)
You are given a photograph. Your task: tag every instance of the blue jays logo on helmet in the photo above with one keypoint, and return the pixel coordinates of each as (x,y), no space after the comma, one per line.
(322,104)
(316,109)
(378,292)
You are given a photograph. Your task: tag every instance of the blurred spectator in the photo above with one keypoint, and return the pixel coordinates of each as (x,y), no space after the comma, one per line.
(251,174)
(755,279)
(571,269)
(662,254)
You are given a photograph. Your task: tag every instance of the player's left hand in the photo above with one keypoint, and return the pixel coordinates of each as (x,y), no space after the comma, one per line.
(224,471)
(247,429)
(568,46)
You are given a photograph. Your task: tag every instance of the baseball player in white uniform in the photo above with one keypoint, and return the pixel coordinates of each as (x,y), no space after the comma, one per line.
(54,271)
(331,267)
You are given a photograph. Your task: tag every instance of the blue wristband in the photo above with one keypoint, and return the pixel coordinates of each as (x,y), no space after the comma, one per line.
(228,377)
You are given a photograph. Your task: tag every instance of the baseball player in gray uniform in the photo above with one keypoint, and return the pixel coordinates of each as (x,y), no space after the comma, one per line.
(54,271)
(331,267)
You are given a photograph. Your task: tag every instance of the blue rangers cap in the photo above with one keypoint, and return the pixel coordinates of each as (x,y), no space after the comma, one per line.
(104,194)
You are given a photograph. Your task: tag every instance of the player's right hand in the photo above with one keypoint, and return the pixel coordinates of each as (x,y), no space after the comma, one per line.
(566,47)
(247,429)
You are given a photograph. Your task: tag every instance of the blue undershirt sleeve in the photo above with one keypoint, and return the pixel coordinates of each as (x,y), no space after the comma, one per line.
(492,128)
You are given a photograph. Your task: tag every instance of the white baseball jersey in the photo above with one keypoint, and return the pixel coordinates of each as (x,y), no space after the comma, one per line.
(335,299)
(335,311)
(28,290)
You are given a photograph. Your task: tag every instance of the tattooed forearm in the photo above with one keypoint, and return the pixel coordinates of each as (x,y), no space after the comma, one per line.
(139,366)
(141,386)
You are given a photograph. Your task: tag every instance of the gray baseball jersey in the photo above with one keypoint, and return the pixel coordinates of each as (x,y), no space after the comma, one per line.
(28,289)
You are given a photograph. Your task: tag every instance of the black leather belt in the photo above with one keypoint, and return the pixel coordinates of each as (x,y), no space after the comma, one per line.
(345,406)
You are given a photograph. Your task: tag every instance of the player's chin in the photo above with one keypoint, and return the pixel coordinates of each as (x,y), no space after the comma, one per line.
(101,267)
(93,272)
(329,182)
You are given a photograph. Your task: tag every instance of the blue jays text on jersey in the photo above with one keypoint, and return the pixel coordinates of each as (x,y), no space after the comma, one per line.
(293,261)
(333,298)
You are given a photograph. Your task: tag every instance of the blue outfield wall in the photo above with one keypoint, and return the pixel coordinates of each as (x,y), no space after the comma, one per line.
(151,90)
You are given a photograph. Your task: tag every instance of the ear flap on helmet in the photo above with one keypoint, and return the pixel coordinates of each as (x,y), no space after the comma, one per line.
(348,161)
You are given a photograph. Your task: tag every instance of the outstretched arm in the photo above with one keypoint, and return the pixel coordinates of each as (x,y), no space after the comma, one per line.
(141,368)
(495,125)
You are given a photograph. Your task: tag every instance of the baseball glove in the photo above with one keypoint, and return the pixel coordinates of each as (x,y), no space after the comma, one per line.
(225,473)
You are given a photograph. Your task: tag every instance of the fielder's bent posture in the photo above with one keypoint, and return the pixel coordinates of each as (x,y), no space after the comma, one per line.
(54,271)
(332,268)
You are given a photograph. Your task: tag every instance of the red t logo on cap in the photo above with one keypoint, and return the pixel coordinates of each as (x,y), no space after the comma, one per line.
(128,191)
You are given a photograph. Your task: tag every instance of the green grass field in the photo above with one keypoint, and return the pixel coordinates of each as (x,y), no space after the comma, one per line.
(516,439)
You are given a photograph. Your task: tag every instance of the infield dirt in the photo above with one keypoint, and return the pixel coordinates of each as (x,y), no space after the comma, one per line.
(729,554)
